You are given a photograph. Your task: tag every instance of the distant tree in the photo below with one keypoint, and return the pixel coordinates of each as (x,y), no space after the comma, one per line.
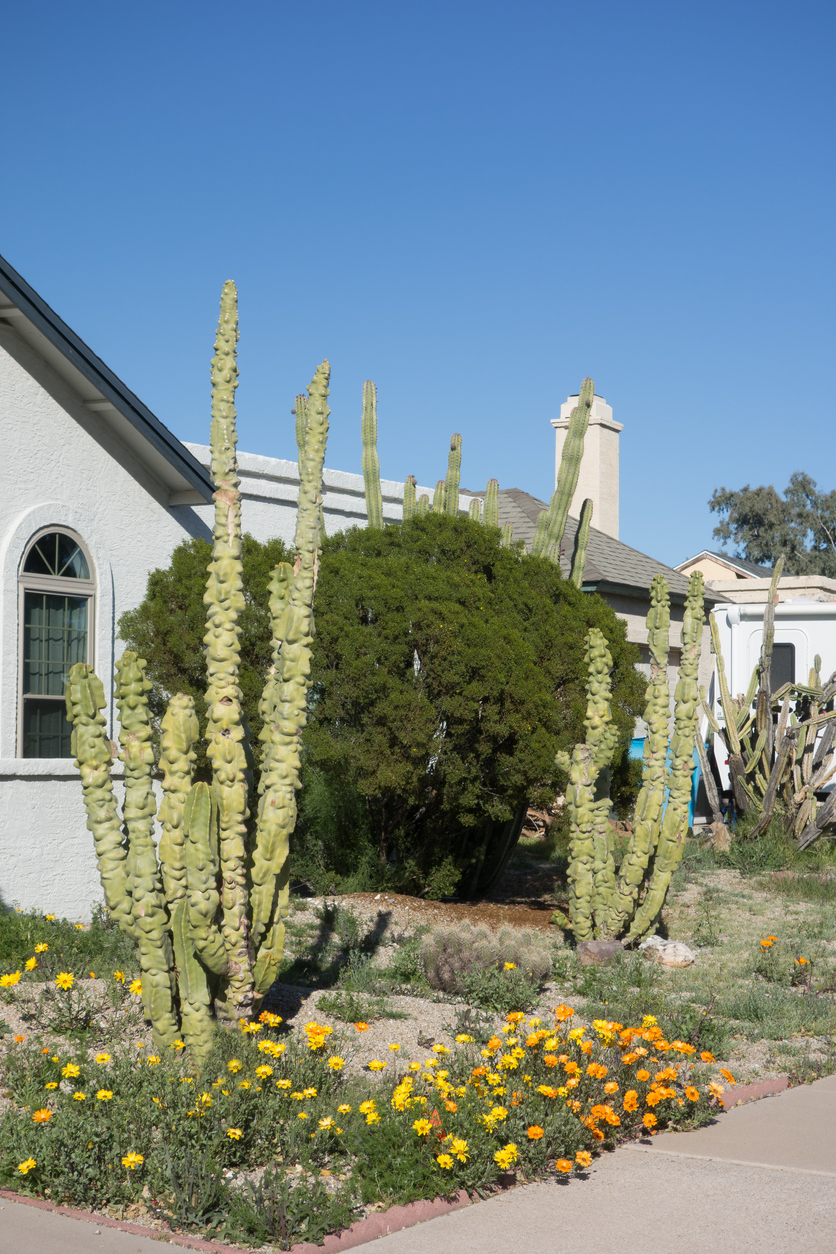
(762,525)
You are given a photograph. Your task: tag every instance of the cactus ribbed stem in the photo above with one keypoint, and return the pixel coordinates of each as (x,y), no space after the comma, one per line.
(410,505)
(507,537)
(177,758)
(439,495)
(581,542)
(454,471)
(224,599)
(674,827)
(567,477)
(371,463)
(150,916)
(85,700)
(301,412)
(423,506)
(490,517)
(475,509)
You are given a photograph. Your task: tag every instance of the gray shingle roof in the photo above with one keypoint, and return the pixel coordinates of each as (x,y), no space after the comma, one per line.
(609,565)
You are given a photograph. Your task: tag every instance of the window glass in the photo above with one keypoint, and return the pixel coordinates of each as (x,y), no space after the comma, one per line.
(56,554)
(783,665)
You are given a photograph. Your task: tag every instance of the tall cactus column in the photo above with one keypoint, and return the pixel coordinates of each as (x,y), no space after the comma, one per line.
(291,606)
(371,462)
(224,600)
(547,539)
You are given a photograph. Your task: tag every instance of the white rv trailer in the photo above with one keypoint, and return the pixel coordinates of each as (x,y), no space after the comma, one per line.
(803,628)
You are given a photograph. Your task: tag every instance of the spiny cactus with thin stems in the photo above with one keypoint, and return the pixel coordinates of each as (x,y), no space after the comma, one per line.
(581,542)
(547,540)
(454,472)
(410,504)
(371,462)
(506,539)
(490,517)
(300,411)
(475,509)
(423,506)
(606,902)
(439,497)
(207,917)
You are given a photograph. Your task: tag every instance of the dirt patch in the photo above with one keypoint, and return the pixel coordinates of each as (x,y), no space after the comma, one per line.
(411,912)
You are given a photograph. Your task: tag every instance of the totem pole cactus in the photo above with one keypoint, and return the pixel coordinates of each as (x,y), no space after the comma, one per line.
(439,497)
(581,542)
(475,509)
(371,462)
(547,538)
(410,504)
(454,470)
(490,517)
(207,918)
(606,902)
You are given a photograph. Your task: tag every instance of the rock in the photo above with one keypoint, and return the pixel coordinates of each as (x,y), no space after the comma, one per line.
(598,953)
(667,952)
(720,837)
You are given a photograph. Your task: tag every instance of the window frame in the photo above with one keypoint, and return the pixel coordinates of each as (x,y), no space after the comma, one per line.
(60,585)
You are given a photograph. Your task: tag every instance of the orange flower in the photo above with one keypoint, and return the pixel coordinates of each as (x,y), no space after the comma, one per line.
(562,1013)
(596,1071)
(583,1158)
(362,1027)
(706,1056)
(42,1116)
(649,1121)
(535,1133)
(643,1075)
(611,1087)
(692,1094)
(563,1164)
(631,1100)
(727,1075)
(586,1047)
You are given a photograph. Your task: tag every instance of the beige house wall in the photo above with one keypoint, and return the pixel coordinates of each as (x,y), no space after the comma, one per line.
(598,477)
(790,588)
(711,568)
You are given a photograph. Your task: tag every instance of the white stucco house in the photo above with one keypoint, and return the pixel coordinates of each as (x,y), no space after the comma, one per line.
(97,493)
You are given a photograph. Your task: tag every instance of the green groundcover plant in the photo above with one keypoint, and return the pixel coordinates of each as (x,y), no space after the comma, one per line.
(111,1127)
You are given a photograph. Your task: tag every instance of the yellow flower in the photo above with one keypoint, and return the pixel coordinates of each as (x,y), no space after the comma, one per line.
(283,1084)
(376,1065)
(422,1126)
(234,1134)
(327,1123)
(270,1019)
(244,1084)
(336,1063)
(459,1148)
(263,1072)
(42,948)
(141,1045)
(309,1092)
(79,927)
(234,1065)
(30,964)
(366,1107)
(344,1109)
(445,1161)
(153,1059)
(510,966)
(71,1070)
(440,1049)
(372,1117)
(79,1097)
(394,1048)
(102,1058)
(301,1115)
(176,1045)
(132,1161)
(26,1166)
(50,918)
(506,1157)
(8,981)
(119,976)
(51,1084)
(42,1116)
(461,1039)
(135,987)
(104,1095)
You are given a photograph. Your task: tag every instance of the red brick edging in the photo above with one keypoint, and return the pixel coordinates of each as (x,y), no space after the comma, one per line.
(751,1092)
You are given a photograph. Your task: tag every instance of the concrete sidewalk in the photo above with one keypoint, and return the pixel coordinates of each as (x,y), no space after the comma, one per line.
(759,1181)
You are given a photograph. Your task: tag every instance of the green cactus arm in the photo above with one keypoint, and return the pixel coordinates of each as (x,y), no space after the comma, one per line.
(270,953)
(193,986)
(650,802)
(292,640)
(674,827)
(301,413)
(507,537)
(200,822)
(490,517)
(227,746)
(439,497)
(540,532)
(85,700)
(410,505)
(475,509)
(423,506)
(581,542)
(179,733)
(371,463)
(581,843)
(454,474)
(567,475)
(707,711)
(150,916)
(730,712)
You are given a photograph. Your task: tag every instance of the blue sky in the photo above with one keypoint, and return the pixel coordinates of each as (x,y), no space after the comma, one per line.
(473,204)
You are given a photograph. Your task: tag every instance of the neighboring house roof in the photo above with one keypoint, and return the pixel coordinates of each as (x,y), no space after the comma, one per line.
(610,565)
(103,393)
(751,569)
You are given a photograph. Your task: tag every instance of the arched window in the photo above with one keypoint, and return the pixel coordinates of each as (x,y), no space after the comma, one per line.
(56,620)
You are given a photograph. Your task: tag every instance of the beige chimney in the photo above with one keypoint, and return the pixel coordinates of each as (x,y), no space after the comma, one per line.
(598,478)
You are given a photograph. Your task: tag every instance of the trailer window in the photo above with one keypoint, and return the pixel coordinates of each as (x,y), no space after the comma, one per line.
(783,665)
